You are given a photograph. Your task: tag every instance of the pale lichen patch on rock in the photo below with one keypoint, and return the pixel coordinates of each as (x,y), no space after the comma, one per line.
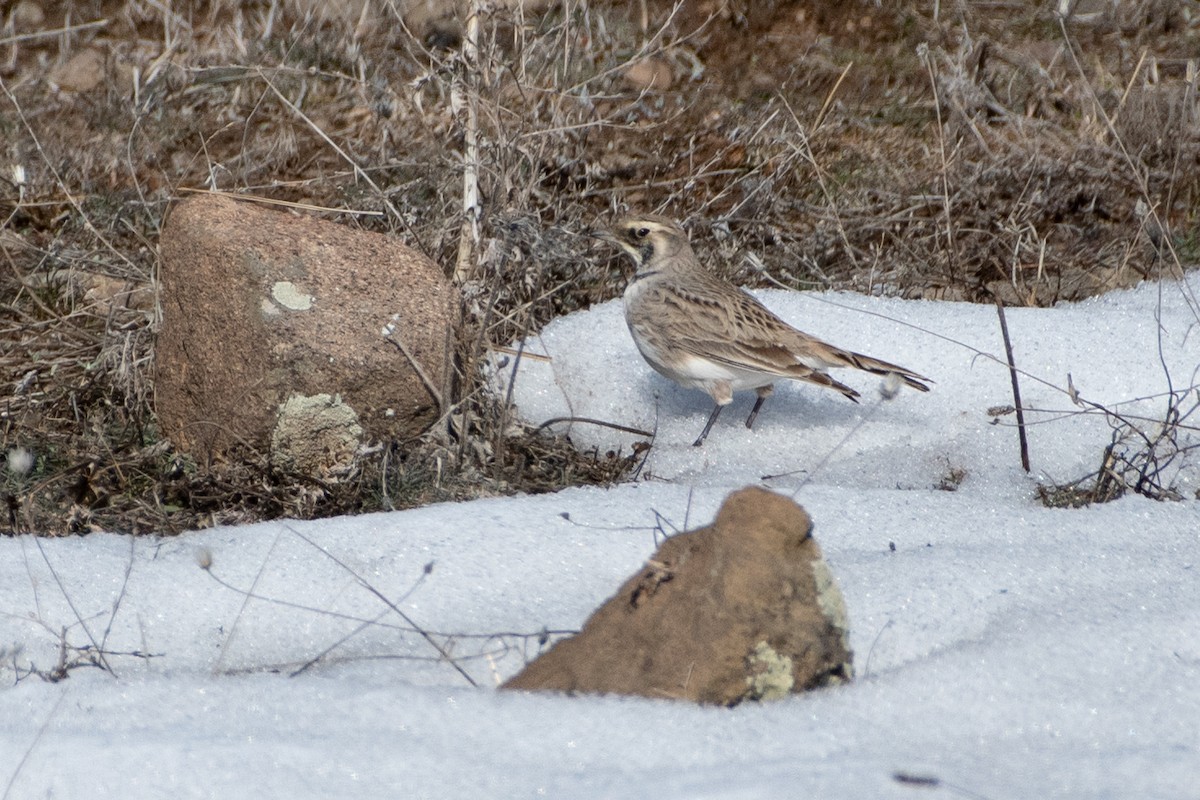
(833,605)
(290,297)
(770,673)
(316,435)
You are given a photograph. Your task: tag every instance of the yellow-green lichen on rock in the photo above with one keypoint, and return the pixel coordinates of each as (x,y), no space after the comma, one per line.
(771,676)
(833,605)
(316,435)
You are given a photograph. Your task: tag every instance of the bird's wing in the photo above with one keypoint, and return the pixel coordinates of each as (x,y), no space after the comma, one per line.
(723,323)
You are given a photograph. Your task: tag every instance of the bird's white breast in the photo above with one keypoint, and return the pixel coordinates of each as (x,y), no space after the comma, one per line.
(685,368)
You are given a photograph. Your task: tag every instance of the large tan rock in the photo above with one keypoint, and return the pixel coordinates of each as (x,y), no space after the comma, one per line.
(744,609)
(272,335)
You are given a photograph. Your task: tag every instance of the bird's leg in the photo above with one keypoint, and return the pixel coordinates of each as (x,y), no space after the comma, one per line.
(716,412)
(763,393)
(722,394)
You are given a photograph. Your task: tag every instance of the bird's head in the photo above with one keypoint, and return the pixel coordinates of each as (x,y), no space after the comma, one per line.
(647,238)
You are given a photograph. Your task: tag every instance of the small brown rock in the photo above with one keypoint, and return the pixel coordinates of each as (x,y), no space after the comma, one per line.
(27,16)
(650,73)
(82,72)
(270,319)
(105,293)
(744,609)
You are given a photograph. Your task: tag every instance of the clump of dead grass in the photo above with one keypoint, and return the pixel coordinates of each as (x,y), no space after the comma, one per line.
(1145,456)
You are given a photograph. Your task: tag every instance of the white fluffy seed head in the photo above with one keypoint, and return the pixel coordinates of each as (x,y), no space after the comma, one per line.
(20,461)
(889,387)
(204,558)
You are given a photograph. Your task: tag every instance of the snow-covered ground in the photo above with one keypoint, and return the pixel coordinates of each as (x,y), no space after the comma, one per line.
(1004,649)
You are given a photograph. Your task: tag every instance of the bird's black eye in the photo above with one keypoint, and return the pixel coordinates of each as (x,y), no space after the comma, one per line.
(642,233)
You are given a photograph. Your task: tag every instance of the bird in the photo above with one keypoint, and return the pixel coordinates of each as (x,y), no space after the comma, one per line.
(705,333)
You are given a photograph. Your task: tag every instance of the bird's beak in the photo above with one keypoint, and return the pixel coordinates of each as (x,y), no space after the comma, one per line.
(603,234)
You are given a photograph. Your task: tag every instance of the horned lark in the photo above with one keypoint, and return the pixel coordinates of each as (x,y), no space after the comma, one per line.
(705,333)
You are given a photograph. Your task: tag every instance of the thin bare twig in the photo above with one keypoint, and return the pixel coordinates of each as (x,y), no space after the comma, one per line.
(54,32)
(1016,386)
(951,250)
(29,750)
(602,423)
(358,171)
(389,603)
(433,390)
(101,660)
(271,201)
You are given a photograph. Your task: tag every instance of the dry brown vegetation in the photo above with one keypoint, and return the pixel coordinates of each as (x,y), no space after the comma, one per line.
(967,150)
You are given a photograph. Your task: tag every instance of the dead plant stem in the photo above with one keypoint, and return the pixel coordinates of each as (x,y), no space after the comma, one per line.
(466,267)
(1016,385)
(951,258)
(29,750)
(433,390)
(358,171)
(390,604)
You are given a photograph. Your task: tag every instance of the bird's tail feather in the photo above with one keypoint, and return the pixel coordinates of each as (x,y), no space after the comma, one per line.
(875,365)
(823,379)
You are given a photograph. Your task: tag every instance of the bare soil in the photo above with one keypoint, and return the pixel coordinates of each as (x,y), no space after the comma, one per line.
(967,151)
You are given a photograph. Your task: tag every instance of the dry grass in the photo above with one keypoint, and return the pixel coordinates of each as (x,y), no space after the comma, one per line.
(992,151)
